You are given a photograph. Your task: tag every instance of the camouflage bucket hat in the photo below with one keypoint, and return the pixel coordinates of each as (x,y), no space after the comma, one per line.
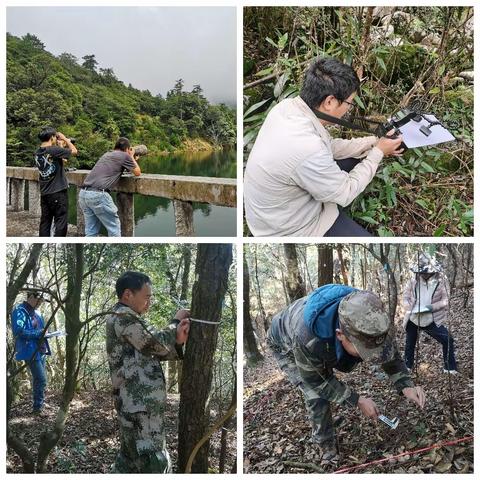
(425,264)
(35,294)
(366,324)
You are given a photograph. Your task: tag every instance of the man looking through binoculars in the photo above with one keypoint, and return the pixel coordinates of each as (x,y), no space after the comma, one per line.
(50,158)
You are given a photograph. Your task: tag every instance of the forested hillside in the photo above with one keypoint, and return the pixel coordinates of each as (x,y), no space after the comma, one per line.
(91,104)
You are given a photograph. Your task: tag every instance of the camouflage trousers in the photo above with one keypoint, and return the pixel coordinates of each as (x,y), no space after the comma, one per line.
(318,408)
(142,444)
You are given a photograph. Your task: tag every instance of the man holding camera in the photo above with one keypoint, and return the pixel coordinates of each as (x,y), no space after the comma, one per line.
(50,158)
(95,201)
(297,175)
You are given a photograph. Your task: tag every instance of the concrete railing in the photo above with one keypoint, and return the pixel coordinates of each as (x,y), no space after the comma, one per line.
(183,190)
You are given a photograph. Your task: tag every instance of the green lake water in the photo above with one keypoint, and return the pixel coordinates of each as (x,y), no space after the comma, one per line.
(154,216)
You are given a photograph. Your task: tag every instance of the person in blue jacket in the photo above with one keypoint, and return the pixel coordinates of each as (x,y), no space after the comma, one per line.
(30,345)
(335,328)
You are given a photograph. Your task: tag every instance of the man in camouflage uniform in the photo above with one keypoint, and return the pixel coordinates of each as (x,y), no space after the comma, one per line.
(336,327)
(134,352)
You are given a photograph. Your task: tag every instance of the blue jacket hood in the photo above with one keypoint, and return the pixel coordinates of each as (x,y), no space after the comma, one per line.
(321,310)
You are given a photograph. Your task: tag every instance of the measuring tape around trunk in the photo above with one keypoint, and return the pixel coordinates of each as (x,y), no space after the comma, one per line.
(204,321)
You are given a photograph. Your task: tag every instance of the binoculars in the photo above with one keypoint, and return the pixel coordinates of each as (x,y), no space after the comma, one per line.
(72,140)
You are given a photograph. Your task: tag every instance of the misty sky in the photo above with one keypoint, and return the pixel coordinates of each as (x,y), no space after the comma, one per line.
(149,47)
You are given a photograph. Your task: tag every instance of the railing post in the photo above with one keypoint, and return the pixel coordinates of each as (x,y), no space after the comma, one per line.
(34,199)
(183,218)
(17,194)
(126,213)
(80,217)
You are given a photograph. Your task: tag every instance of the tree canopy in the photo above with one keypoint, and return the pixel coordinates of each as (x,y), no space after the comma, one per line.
(92,105)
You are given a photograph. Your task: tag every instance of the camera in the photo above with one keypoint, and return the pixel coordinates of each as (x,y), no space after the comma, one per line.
(140,150)
(406,122)
(72,140)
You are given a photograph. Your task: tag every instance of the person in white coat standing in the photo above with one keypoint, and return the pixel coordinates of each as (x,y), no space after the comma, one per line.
(297,175)
(426,308)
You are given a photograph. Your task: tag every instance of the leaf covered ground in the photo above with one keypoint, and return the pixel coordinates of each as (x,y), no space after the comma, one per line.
(90,441)
(277,429)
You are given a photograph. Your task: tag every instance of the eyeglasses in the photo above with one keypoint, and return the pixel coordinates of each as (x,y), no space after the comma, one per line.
(350,104)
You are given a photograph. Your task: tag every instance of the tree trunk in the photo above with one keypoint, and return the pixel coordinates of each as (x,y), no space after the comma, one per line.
(22,450)
(172,376)
(211,273)
(172,284)
(50,438)
(187,260)
(13,287)
(223,449)
(59,349)
(365,270)
(295,283)
(258,290)
(343,270)
(392,290)
(174,366)
(250,344)
(19,282)
(352,270)
(455,263)
(223,440)
(466,269)
(325,264)
(392,283)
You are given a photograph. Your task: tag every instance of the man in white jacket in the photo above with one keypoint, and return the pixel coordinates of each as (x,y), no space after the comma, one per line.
(297,175)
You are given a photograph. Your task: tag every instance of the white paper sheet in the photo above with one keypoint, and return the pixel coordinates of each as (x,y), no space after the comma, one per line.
(415,310)
(413,137)
(58,333)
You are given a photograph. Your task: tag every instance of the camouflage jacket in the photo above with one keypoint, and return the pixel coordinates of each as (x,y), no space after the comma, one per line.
(316,358)
(134,351)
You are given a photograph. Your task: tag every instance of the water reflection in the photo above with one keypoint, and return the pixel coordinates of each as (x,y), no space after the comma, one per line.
(154,216)
(202,164)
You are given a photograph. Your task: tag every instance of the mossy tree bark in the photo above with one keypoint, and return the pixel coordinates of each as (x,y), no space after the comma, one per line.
(211,274)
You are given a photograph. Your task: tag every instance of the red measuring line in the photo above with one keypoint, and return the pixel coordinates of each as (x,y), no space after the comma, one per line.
(425,449)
